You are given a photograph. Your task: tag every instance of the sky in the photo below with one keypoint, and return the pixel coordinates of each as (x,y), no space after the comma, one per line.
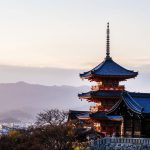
(51,41)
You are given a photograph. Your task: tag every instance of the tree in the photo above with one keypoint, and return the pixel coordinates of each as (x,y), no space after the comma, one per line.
(52,117)
(56,138)
(52,133)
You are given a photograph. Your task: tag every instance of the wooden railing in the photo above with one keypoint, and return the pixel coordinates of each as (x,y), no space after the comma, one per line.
(99,108)
(102,87)
(100,144)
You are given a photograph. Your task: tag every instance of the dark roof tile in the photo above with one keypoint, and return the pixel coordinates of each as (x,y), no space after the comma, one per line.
(101,94)
(109,68)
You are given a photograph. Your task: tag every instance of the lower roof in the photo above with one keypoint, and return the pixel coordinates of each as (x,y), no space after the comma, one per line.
(76,114)
(136,102)
(101,94)
(103,116)
(85,115)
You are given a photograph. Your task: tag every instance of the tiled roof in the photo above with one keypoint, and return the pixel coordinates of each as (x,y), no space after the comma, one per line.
(76,114)
(103,115)
(136,102)
(139,102)
(101,94)
(109,68)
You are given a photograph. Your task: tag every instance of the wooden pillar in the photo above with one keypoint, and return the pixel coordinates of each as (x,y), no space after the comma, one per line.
(141,127)
(122,128)
(132,125)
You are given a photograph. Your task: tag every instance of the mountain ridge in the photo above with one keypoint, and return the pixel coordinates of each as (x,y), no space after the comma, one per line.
(30,99)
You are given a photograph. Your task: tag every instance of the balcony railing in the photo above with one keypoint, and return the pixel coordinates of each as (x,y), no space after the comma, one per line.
(119,143)
(102,87)
(99,108)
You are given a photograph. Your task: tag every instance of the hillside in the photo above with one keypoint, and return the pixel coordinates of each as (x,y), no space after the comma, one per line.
(22,101)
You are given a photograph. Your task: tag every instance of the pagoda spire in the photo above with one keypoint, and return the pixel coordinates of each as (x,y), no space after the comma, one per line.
(107,42)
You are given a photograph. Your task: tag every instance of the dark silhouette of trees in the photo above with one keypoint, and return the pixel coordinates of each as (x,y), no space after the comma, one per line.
(51,133)
(52,117)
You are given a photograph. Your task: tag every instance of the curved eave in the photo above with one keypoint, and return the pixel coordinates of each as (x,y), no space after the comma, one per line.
(114,107)
(84,95)
(91,95)
(104,118)
(95,117)
(85,75)
(98,97)
(99,119)
(90,76)
(131,104)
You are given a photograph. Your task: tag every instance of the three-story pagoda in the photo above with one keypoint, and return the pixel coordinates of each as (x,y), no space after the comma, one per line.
(107,91)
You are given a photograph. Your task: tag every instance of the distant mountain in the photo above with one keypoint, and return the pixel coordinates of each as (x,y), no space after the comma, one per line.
(15,116)
(22,101)
(10,120)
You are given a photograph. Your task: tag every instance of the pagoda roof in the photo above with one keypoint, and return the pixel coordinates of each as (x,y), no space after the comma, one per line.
(101,94)
(103,116)
(77,114)
(137,102)
(109,68)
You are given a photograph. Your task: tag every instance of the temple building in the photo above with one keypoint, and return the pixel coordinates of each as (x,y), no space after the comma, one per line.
(116,110)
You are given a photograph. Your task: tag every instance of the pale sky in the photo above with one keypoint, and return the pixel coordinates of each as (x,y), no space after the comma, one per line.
(71,34)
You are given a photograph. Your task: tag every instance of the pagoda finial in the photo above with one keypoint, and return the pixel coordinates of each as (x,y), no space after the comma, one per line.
(107,42)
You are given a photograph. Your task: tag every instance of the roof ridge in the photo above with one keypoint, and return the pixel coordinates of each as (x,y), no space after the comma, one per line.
(101,65)
(109,67)
(129,103)
(122,67)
